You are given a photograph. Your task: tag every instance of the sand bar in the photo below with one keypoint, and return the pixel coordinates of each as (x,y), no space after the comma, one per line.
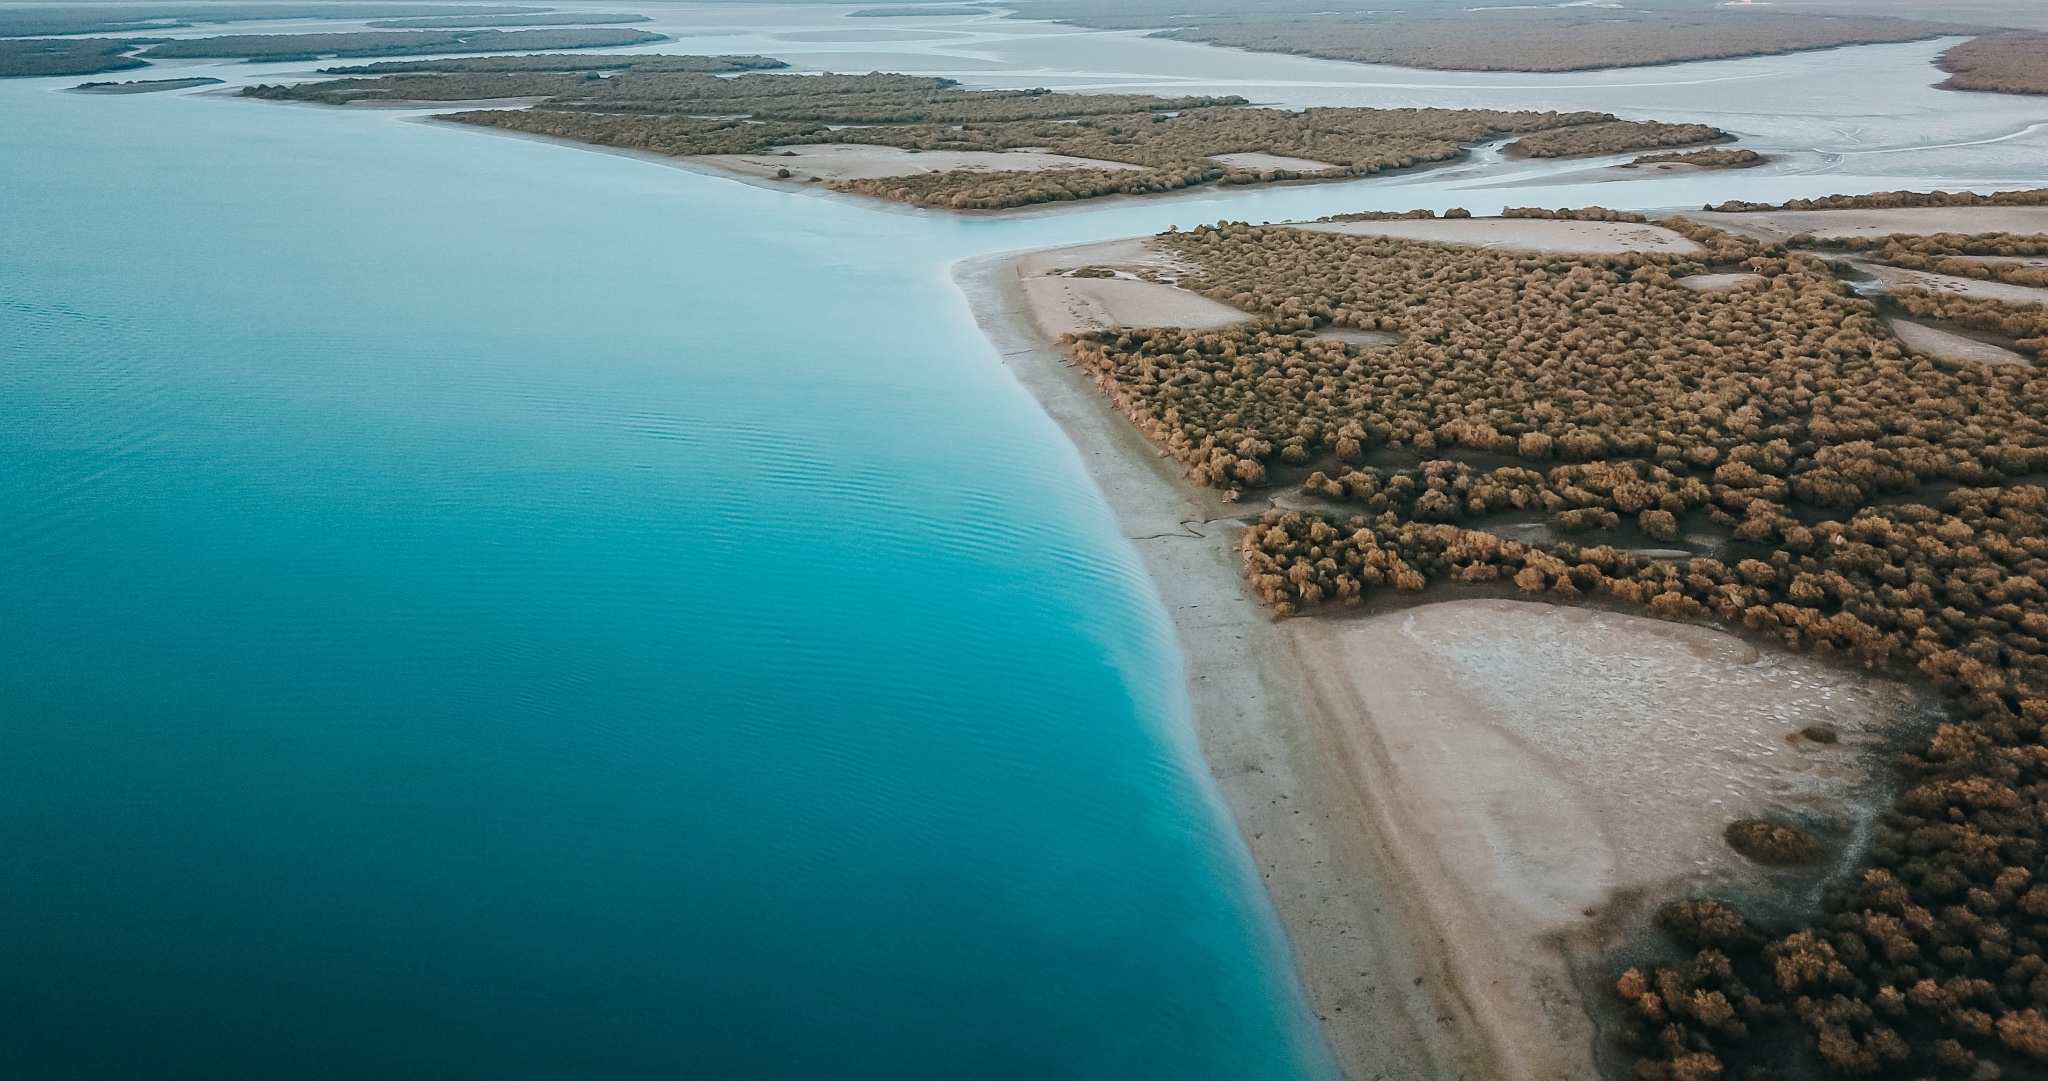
(1933,341)
(1901,278)
(1715,283)
(1521,234)
(853,161)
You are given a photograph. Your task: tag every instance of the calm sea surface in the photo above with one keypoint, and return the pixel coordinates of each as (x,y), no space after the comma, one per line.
(471,608)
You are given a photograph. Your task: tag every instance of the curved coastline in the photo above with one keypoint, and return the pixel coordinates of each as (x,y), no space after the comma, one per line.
(1381,990)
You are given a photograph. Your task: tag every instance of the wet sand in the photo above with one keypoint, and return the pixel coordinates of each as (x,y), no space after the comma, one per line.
(1783,224)
(1062,303)
(1933,341)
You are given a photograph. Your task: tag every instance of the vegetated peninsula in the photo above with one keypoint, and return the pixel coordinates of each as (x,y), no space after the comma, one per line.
(1568,37)
(145,86)
(979,149)
(65,56)
(2014,62)
(394,43)
(444,22)
(1693,423)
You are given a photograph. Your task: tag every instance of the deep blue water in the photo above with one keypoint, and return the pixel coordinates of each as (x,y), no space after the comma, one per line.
(476,609)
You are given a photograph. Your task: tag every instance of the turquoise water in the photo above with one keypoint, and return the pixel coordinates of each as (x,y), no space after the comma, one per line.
(475,609)
(479,609)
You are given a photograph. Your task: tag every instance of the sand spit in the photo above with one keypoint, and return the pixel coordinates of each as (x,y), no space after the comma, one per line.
(1783,224)
(1933,341)
(1375,986)
(1542,771)
(1901,278)
(852,161)
(1522,234)
(1063,303)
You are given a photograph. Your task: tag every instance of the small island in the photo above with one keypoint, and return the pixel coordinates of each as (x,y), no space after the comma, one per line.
(929,143)
(144,86)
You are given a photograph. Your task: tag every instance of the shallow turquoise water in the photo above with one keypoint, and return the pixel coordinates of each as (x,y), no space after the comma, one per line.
(475,609)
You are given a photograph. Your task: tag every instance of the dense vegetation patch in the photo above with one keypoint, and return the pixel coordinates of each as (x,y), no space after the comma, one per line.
(65,56)
(1173,142)
(1869,505)
(2015,62)
(1704,159)
(1612,138)
(1889,200)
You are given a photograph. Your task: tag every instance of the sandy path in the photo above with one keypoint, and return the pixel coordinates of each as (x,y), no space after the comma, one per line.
(1376,987)
(1901,278)
(1780,224)
(1063,304)
(1714,283)
(1259,162)
(850,161)
(1539,770)
(1521,234)
(1933,341)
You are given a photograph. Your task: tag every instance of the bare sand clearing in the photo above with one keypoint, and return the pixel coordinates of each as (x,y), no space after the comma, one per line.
(1901,278)
(1259,162)
(850,161)
(1538,771)
(1063,304)
(1933,341)
(1780,224)
(1378,989)
(1521,234)
(1714,283)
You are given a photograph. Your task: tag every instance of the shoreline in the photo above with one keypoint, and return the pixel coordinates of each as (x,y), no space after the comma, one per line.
(1445,817)
(1374,977)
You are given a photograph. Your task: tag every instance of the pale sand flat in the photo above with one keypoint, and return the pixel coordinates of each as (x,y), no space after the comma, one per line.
(1901,278)
(1781,224)
(1540,769)
(1935,342)
(1521,234)
(1715,283)
(852,161)
(1068,305)
(1265,162)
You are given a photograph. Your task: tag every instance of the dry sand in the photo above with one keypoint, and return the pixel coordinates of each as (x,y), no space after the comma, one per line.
(1901,278)
(1542,772)
(1781,224)
(1375,986)
(1063,304)
(1933,341)
(1262,163)
(852,161)
(1714,283)
(1521,234)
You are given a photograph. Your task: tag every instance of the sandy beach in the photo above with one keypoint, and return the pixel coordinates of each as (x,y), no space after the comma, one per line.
(1447,801)
(1521,234)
